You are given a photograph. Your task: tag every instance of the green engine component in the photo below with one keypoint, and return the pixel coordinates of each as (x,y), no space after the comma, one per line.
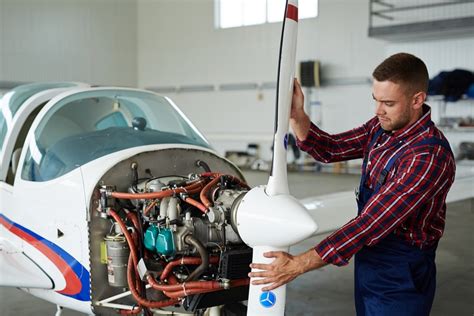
(165,242)
(159,240)
(150,237)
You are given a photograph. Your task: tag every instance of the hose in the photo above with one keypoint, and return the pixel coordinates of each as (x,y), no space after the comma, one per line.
(196,204)
(217,177)
(204,193)
(140,300)
(203,285)
(133,258)
(192,188)
(134,217)
(194,287)
(230,177)
(183,261)
(185,292)
(203,165)
(149,207)
(134,311)
(128,237)
(190,240)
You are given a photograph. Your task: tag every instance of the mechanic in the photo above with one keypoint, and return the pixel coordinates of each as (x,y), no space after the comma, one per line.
(407,171)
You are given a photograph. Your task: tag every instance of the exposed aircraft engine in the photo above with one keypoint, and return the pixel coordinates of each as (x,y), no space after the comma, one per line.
(169,236)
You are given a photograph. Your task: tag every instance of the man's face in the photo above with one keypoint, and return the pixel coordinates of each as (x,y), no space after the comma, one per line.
(393,107)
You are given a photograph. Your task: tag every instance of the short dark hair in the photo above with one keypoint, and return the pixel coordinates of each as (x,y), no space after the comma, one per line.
(404,69)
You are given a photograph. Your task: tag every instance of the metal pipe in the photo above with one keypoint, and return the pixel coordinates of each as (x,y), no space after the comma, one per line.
(164,208)
(190,240)
(173,209)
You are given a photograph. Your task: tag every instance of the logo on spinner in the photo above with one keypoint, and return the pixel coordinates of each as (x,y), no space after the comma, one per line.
(267,299)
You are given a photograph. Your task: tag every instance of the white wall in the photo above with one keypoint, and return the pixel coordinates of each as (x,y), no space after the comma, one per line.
(178,45)
(82,40)
(440,55)
(174,43)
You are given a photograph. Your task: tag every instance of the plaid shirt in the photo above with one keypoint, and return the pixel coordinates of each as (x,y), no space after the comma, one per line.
(411,203)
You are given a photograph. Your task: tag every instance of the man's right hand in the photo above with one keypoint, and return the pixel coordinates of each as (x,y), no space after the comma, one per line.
(299,120)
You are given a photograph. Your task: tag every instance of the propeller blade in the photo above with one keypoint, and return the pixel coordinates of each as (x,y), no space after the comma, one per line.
(268,217)
(278,181)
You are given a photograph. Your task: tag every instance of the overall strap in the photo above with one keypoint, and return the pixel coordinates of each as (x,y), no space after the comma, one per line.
(371,144)
(364,163)
(389,165)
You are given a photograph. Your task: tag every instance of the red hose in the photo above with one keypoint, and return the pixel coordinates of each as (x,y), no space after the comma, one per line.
(196,204)
(231,178)
(149,207)
(140,300)
(186,260)
(206,189)
(185,292)
(210,174)
(134,311)
(128,237)
(134,219)
(217,176)
(203,285)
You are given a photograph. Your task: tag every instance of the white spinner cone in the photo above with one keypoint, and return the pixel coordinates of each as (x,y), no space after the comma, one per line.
(268,218)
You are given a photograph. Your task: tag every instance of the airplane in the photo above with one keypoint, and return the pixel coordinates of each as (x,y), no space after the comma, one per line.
(112,202)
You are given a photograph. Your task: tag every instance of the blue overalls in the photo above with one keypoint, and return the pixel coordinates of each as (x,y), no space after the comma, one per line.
(392,277)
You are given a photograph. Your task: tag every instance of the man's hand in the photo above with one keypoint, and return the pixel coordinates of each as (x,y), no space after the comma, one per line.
(297,102)
(284,268)
(299,120)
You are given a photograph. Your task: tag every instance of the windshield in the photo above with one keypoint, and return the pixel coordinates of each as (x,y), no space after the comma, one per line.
(3,129)
(11,102)
(91,124)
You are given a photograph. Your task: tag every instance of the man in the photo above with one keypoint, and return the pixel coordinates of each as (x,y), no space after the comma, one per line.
(407,171)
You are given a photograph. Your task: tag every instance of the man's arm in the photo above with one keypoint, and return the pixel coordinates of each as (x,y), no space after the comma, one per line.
(421,176)
(285,268)
(320,145)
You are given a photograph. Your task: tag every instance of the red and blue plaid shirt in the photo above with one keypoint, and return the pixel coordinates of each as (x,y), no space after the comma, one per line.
(411,203)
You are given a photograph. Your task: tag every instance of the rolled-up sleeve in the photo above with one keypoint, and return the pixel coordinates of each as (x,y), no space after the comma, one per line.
(328,148)
(420,177)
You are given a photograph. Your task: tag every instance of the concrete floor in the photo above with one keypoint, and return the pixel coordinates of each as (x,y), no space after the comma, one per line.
(329,291)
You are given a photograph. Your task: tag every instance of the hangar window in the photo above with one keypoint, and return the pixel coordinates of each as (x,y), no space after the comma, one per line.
(235,13)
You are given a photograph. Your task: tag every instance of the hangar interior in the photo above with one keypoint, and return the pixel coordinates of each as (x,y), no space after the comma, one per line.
(224,80)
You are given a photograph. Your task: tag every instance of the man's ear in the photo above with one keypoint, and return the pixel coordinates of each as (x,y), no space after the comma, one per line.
(418,100)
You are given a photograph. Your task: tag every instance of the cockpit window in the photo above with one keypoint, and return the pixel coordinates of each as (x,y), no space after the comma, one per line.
(11,102)
(88,125)
(3,129)
(113,119)
(20,94)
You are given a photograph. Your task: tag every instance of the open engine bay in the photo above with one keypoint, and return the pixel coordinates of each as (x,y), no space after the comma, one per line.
(163,225)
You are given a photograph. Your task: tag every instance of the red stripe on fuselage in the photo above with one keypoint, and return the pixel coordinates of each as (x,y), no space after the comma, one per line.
(292,12)
(73,284)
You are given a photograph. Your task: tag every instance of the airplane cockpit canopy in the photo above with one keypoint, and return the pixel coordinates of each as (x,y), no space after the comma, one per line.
(13,99)
(90,124)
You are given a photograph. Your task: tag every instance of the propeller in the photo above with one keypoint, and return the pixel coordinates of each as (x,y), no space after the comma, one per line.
(268,217)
